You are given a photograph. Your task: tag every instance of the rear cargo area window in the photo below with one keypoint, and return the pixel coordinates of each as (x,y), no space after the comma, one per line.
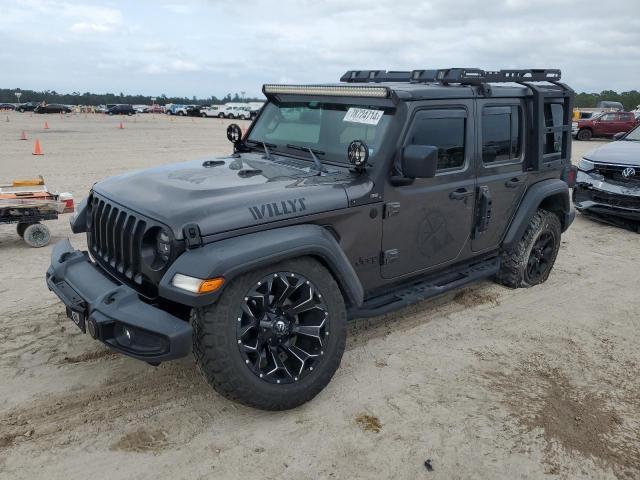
(501,134)
(446,133)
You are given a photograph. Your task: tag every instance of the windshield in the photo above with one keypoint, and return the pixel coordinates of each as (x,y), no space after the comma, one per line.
(633,135)
(327,128)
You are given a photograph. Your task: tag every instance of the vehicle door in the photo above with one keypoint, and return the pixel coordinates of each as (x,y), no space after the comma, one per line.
(500,168)
(624,122)
(606,124)
(427,223)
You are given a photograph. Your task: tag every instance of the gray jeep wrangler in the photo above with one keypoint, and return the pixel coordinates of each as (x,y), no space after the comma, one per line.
(340,201)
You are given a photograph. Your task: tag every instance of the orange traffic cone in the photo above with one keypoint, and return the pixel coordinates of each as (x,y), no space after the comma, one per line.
(46,125)
(23,136)
(121,127)
(36,148)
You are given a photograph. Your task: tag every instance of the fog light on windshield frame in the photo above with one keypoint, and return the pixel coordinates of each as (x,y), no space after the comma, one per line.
(196,285)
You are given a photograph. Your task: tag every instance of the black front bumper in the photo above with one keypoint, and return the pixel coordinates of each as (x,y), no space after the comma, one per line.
(114,313)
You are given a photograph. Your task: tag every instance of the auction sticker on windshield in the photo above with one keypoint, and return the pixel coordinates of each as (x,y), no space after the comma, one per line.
(363,115)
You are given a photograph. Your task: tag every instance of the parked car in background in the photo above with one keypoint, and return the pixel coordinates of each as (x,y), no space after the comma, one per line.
(175,109)
(7,106)
(608,182)
(212,111)
(121,110)
(27,106)
(141,108)
(254,108)
(156,109)
(52,108)
(236,111)
(603,125)
(193,110)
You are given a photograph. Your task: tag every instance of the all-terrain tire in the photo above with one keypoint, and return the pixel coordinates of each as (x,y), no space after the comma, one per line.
(37,235)
(584,134)
(215,344)
(514,261)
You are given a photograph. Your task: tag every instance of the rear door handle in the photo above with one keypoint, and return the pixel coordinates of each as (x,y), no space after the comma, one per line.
(513,183)
(460,194)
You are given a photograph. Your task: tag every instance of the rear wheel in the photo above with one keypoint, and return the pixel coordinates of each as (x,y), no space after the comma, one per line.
(203,115)
(276,336)
(530,261)
(37,235)
(584,134)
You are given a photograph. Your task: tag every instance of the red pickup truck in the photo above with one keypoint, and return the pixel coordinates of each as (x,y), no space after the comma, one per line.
(604,125)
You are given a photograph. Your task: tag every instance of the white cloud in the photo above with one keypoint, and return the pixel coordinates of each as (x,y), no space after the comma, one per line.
(214,47)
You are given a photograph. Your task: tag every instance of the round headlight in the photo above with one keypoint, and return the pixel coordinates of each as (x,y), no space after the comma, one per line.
(163,246)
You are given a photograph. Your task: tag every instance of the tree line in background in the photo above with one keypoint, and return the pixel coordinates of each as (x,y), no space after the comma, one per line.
(630,100)
(76,98)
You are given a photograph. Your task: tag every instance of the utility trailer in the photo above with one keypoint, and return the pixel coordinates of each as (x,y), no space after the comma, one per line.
(28,203)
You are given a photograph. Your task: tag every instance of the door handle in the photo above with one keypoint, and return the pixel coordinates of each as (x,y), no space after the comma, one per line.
(460,194)
(513,183)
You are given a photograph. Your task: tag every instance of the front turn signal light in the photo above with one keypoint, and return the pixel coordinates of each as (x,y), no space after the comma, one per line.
(196,285)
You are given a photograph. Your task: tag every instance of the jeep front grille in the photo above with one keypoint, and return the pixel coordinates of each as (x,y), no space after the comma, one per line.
(114,236)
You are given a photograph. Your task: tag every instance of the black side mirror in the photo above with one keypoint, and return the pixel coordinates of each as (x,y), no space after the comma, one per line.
(619,135)
(419,161)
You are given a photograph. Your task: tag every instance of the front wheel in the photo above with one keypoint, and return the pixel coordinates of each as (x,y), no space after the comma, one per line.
(530,261)
(584,134)
(276,336)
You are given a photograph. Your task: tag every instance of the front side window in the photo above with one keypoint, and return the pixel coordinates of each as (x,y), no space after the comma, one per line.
(446,131)
(609,117)
(326,127)
(501,136)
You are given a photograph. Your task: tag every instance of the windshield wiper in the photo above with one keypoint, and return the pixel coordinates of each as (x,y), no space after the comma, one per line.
(316,160)
(265,146)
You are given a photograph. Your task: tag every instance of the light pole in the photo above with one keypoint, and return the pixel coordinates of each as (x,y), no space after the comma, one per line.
(18,95)
(153,104)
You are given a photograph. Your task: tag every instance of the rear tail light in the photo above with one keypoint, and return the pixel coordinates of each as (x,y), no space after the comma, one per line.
(569,175)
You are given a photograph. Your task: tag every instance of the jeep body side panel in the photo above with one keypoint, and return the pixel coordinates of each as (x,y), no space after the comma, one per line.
(552,194)
(235,256)
(428,223)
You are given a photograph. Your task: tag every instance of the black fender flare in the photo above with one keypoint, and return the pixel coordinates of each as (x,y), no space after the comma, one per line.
(552,194)
(234,256)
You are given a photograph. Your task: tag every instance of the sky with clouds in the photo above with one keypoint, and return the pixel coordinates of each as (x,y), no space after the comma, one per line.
(216,47)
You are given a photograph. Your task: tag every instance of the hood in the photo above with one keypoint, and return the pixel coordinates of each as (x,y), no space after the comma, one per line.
(227,193)
(622,152)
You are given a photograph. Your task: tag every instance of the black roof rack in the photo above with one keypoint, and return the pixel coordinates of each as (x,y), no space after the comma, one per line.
(464,76)
(375,76)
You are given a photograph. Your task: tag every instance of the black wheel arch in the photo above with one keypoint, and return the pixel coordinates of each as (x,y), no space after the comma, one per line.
(234,256)
(552,195)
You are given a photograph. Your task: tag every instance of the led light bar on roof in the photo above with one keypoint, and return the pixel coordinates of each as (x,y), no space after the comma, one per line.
(329,90)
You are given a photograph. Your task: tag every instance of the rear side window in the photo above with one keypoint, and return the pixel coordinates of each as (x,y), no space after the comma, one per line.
(444,129)
(553,117)
(501,134)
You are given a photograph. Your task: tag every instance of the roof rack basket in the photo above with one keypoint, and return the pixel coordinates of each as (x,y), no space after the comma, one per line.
(551,105)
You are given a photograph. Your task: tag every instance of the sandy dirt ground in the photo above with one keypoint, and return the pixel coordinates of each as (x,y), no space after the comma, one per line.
(486,383)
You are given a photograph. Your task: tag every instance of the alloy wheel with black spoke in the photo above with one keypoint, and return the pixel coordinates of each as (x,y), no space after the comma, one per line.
(531,260)
(275,337)
(281,326)
(540,257)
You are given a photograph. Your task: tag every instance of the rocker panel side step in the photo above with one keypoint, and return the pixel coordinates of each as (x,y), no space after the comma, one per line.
(423,290)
